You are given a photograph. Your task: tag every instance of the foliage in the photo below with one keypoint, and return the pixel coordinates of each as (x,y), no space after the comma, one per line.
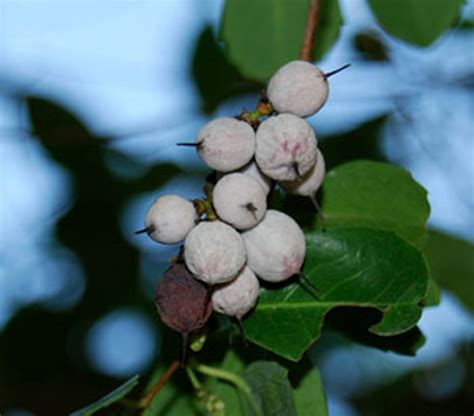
(261,36)
(277,387)
(274,29)
(419,22)
(368,256)
(350,266)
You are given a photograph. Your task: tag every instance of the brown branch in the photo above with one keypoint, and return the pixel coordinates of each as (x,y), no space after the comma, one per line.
(147,399)
(306,53)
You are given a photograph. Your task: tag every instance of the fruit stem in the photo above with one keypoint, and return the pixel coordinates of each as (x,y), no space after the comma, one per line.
(184,347)
(263,108)
(242,330)
(306,53)
(232,378)
(204,206)
(319,211)
(148,398)
(193,379)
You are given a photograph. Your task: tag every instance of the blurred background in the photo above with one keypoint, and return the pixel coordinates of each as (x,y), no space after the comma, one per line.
(94,95)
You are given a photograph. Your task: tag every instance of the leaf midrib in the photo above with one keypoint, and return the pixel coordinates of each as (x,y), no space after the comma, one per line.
(319,305)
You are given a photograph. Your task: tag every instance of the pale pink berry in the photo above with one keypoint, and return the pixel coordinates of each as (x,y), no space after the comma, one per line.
(226,144)
(253,171)
(237,297)
(275,247)
(214,252)
(311,182)
(239,200)
(170,218)
(286,147)
(298,88)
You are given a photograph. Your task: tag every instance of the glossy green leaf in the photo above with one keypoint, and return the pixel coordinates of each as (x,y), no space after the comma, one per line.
(351,267)
(270,386)
(419,22)
(379,195)
(110,398)
(452,265)
(261,36)
(308,391)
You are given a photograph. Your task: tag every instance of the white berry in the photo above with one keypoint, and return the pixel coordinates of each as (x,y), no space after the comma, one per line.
(170,218)
(239,200)
(286,147)
(275,247)
(214,252)
(298,88)
(237,297)
(253,171)
(226,144)
(311,182)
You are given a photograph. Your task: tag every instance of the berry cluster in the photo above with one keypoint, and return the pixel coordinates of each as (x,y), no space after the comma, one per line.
(231,239)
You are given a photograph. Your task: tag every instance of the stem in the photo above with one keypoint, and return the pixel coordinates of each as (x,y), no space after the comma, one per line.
(184,347)
(193,379)
(231,378)
(306,53)
(319,211)
(263,108)
(147,399)
(242,331)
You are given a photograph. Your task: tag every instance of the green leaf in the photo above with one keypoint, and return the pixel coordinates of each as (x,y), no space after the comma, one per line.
(177,398)
(351,267)
(110,398)
(378,195)
(270,386)
(419,22)
(263,35)
(308,391)
(227,392)
(452,265)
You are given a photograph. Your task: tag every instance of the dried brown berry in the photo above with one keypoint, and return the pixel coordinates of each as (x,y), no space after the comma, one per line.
(184,303)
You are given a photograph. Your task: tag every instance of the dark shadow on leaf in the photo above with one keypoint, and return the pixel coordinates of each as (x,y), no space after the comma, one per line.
(215,78)
(418,392)
(355,322)
(370,45)
(360,143)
